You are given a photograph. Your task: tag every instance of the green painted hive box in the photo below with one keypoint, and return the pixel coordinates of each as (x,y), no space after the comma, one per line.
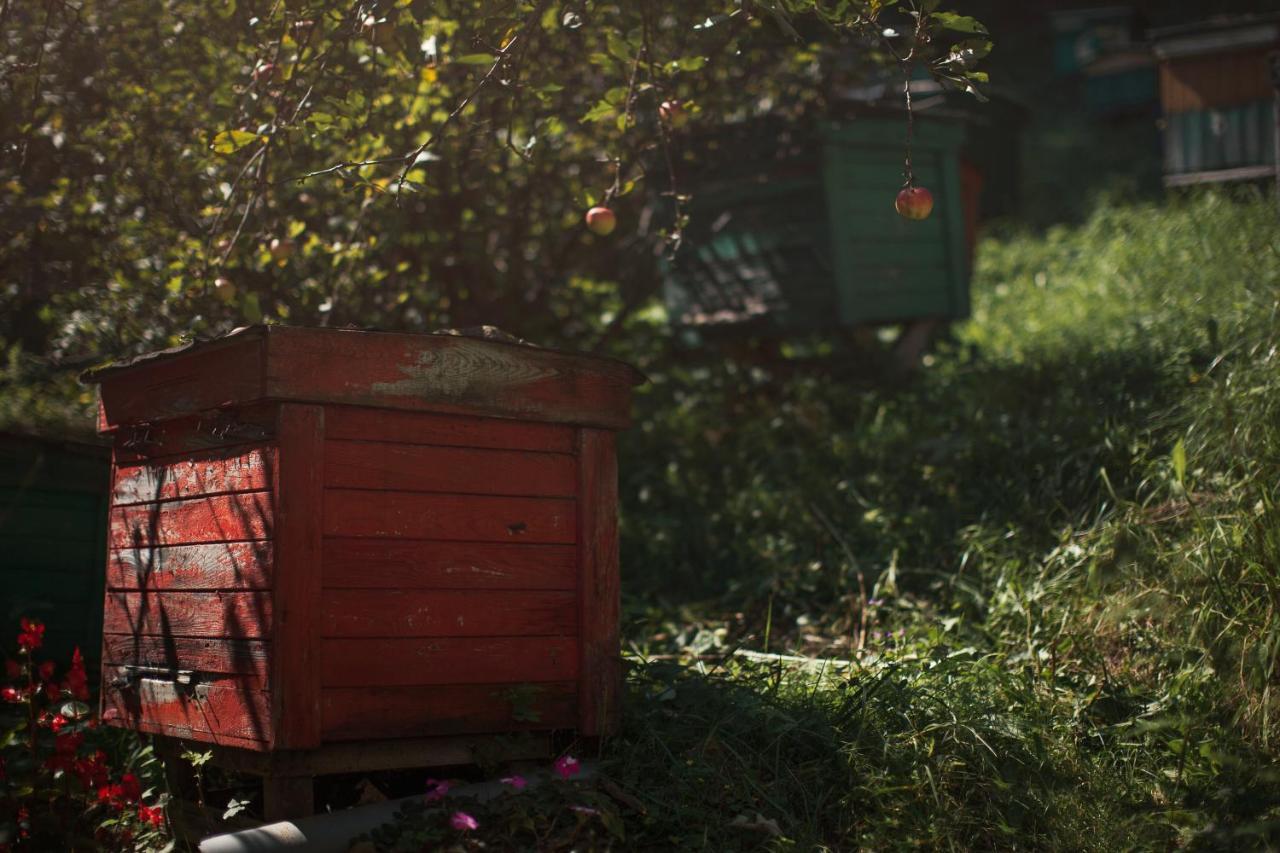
(793,229)
(53,513)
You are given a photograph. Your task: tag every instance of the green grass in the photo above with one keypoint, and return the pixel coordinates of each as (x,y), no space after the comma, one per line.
(1044,576)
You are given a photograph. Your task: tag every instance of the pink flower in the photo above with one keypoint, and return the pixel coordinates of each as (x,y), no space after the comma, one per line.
(463,822)
(436,789)
(516,782)
(566,766)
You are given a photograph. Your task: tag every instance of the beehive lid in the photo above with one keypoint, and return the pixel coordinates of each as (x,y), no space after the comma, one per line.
(490,375)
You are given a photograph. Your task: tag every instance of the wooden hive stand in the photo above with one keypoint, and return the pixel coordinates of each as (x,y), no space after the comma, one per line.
(341,551)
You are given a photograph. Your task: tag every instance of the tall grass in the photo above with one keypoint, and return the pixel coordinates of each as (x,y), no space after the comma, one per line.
(1053,561)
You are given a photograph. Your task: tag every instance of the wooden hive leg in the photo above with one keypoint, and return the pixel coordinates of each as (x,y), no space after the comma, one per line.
(287,797)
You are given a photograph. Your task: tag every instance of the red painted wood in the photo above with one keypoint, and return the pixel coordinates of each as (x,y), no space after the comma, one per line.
(213,472)
(373,713)
(407,515)
(222,711)
(247,659)
(219,518)
(450,613)
(363,424)
(236,615)
(240,426)
(447,374)
(419,468)
(300,489)
(600,688)
(219,373)
(495,660)
(220,565)
(415,564)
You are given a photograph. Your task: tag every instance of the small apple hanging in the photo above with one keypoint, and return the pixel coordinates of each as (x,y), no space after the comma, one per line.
(282,248)
(914,202)
(600,220)
(673,114)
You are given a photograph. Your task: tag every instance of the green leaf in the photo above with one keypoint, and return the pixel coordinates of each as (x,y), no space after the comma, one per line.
(231,141)
(599,112)
(1179,459)
(959,23)
(475,59)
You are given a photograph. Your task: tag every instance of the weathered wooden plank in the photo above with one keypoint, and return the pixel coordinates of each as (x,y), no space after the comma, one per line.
(364,424)
(360,713)
(600,687)
(407,515)
(300,487)
(238,615)
(447,374)
(447,613)
(399,753)
(223,711)
(406,662)
(218,565)
(247,659)
(416,564)
(239,426)
(245,516)
(217,374)
(240,469)
(420,468)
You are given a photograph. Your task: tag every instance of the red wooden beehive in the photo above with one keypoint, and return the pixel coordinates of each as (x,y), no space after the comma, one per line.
(325,537)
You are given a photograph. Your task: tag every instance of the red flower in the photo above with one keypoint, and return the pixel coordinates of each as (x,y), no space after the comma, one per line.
(155,817)
(11,694)
(31,636)
(46,670)
(68,744)
(91,771)
(132,787)
(57,722)
(77,683)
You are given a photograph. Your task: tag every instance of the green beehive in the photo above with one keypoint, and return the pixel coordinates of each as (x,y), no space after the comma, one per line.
(53,504)
(793,229)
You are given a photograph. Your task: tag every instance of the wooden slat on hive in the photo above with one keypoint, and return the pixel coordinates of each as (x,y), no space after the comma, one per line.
(300,486)
(181,384)
(223,429)
(243,615)
(409,515)
(239,517)
(599,692)
(424,468)
(210,566)
(237,469)
(383,662)
(223,711)
(427,564)
(357,713)
(361,424)
(447,613)
(246,659)
(446,374)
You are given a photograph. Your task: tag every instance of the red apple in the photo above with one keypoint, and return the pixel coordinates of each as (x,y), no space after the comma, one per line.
(914,202)
(281,249)
(600,220)
(224,288)
(673,113)
(265,71)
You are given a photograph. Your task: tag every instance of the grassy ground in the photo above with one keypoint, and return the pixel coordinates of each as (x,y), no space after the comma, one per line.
(1046,573)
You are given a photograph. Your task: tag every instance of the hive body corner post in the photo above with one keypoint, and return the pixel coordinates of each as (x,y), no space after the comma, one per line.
(600,678)
(296,582)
